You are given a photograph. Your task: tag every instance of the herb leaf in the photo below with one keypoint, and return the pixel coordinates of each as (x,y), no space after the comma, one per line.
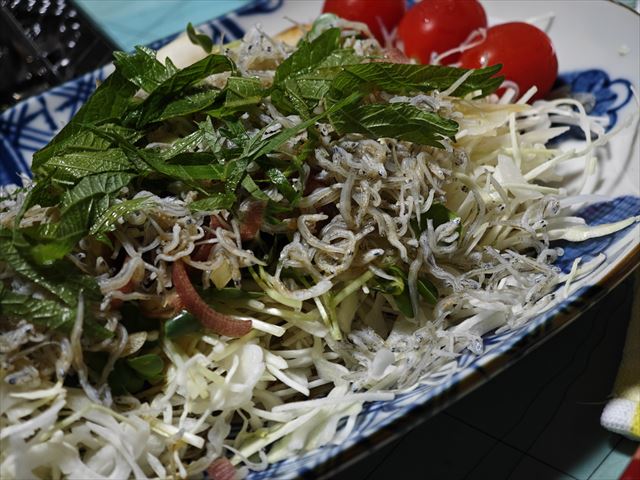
(79,206)
(282,184)
(72,167)
(403,79)
(142,69)
(439,213)
(109,101)
(200,39)
(152,107)
(182,324)
(108,219)
(149,366)
(63,286)
(300,77)
(46,313)
(394,120)
(188,104)
(213,202)
(308,55)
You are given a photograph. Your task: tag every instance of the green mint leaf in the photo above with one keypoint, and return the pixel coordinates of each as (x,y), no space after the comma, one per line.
(404,79)
(109,218)
(212,139)
(208,170)
(220,201)
(182,324)
(188,105)
(394,120)
(305,76)
(242,88)
(78,208)
(142,69)
(151,108)
(305,90)
(94,186)
(428,291)
(258,146)
(439,213)
(254,190)
(43,193)
(61,281)
(199,38)
(47,314)
(237,169)
(235,131)
(281,182)
(72,167)
(149,366)
(308,55)
(241,93)
(109,101)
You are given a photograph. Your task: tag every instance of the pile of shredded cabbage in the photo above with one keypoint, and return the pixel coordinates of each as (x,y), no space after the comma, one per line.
(318,349)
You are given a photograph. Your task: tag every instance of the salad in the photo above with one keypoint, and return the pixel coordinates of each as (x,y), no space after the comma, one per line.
(216,266)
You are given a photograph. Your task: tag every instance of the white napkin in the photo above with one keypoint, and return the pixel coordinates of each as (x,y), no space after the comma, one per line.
(622,413)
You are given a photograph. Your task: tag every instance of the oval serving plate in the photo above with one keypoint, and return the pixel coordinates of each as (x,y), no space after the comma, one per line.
(597,44)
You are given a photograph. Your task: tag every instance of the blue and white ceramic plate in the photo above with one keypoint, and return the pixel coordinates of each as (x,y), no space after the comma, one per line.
(597,44)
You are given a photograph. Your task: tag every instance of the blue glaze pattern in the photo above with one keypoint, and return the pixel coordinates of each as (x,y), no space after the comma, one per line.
(605,212)
(601,95)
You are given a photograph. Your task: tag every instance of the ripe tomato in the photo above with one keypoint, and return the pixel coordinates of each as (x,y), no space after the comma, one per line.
(525,52)
(439,25)
(371,12)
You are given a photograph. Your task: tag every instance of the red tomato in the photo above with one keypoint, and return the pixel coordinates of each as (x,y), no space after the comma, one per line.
(439,25)
(525,52)
(371,12)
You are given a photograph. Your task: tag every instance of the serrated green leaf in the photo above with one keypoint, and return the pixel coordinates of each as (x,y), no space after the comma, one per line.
(198,38)
(93,186)
(46,314)
(79,207)
(212,139)
(110,101)
(404,79)
(182,324)
(308,55)
(152,107)
(220,201)
(149,366)
(72,167)
(303,79)
(188,105)
(241,93)
(108,219)
(62,281)
(142,69)
(241,88)
(282,184)
(394,120)
(258,146)
(439,214)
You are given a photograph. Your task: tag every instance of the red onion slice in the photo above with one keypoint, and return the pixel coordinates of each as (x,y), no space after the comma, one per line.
(219,323)
(252,215)
(203,251)
(221,469)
